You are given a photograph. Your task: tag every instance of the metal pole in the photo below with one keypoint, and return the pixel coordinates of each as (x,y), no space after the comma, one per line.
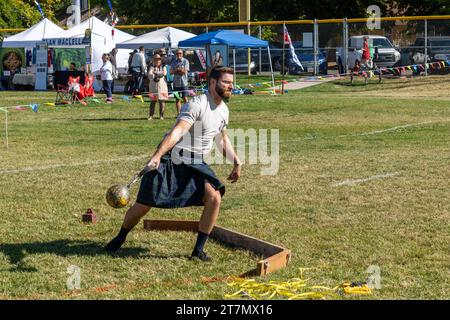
(282,57)
(234,66)
(316,44)
(260,36)
(271,69)
(345,46)
(248,49)
(426,50)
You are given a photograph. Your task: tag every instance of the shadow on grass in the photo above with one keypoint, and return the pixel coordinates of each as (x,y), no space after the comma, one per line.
(112,119)
(17,252)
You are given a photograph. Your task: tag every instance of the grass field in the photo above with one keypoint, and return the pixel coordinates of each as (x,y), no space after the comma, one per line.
(363,180)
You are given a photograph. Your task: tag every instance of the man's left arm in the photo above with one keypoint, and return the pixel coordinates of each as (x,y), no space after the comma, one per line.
(228,151)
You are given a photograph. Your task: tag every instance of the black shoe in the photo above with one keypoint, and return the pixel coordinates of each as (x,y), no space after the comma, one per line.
(200,255)
(114,245)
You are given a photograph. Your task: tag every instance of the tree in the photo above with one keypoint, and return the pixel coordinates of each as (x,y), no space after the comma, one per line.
(23,14)
(172,11)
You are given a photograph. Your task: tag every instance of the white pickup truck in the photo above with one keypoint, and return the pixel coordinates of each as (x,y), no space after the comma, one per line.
(385,54)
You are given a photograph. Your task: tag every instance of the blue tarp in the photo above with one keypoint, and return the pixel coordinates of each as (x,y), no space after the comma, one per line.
(232,38)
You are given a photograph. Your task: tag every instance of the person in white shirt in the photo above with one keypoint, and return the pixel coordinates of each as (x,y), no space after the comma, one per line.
(106,76)
(182,178)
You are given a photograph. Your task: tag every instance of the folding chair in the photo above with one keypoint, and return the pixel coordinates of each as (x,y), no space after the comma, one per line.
(89,86)
(72,93)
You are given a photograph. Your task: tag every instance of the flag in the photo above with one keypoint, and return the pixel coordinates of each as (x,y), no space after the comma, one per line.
(39,8)
(201,57)
(34,107)
(287,41)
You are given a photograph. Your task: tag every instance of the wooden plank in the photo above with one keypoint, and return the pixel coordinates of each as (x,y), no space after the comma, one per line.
(171,225)
(273,263)
(239,240)
(275,257)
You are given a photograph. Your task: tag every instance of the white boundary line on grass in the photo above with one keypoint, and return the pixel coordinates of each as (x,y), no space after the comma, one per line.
(399,127)
(393,129)
(75,164)
(349,182)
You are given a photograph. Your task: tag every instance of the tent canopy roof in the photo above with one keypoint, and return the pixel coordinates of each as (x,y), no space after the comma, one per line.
(29,37)
(99,29)
(163,38)
(232,38)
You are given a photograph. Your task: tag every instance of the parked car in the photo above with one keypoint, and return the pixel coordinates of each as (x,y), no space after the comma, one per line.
(197,74)
(386,55)
(438,49)
(241,63)
(304,54)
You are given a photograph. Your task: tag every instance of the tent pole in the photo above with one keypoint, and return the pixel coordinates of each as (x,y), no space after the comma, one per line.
(234,66)
(271,69)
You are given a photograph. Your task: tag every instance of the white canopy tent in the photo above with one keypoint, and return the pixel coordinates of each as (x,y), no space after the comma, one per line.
(102,41)
(29,38)
(163,38)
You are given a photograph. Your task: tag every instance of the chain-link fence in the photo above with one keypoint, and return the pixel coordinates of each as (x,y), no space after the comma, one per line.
(334,45)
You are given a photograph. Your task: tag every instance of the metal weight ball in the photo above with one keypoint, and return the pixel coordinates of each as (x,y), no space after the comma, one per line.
(118,196)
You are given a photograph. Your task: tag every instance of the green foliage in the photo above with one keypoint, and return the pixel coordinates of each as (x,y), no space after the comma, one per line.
(23,14)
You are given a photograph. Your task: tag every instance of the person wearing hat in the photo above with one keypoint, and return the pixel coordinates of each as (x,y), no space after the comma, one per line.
(158,90)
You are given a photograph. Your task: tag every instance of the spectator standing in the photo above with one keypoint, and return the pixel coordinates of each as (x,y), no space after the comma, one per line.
(115,72)
(365,59)
(138,68)
(179,68)
(106,76)
(157,87)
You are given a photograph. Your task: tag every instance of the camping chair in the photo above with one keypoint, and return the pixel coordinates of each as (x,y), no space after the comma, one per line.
(89,86)
(72,93)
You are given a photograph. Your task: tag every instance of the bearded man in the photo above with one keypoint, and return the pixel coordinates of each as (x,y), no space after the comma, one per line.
(182,178)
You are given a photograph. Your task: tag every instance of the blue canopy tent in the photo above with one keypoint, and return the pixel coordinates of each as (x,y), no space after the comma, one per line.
(228,37)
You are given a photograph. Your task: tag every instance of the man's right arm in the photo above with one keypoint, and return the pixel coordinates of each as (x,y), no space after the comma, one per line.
(177,132)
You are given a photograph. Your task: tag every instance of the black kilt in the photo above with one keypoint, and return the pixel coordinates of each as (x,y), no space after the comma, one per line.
(177,185)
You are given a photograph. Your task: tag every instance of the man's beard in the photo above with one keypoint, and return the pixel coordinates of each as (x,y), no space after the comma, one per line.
(225,95)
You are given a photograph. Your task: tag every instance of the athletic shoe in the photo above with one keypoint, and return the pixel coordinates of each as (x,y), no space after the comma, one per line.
(200,255)
(114,245)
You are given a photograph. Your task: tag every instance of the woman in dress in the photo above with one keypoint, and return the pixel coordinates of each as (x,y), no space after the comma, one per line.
(157,87)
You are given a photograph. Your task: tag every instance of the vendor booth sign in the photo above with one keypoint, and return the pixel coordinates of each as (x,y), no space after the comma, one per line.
(217,54)
(12,59)
(65,42)
(41,66)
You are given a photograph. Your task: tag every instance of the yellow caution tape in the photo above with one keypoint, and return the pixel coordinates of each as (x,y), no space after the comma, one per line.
(293,289)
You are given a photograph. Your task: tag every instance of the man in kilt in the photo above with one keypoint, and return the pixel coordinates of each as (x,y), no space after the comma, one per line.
(182,178)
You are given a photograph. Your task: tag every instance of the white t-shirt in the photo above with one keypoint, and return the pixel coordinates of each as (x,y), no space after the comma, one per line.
(208,120)
(106,71)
